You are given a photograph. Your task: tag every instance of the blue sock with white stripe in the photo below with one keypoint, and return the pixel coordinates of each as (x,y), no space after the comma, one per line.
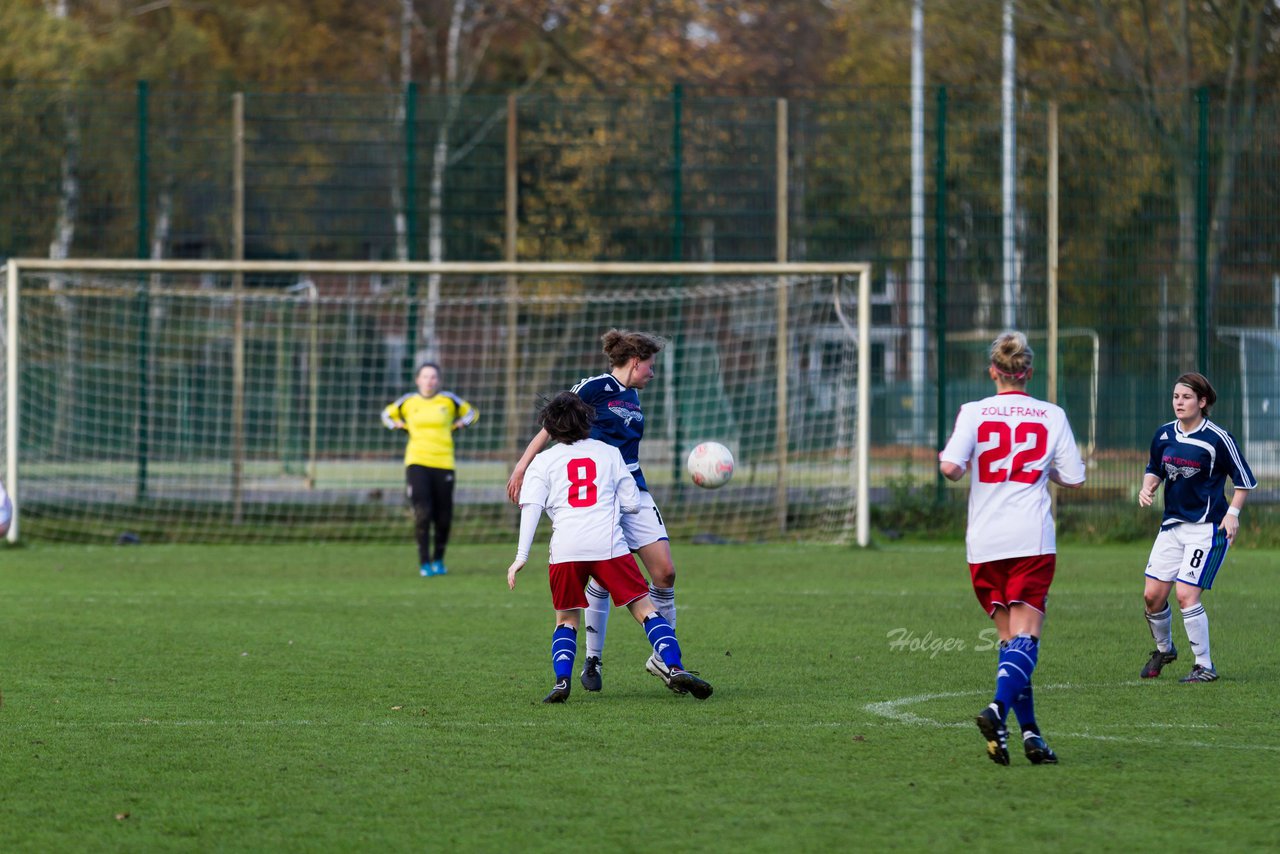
(1024,707)
(663,638)
(1017,663)
(564,649)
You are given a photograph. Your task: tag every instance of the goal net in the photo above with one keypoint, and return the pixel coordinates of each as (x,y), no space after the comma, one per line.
(240,401)
(1259,428)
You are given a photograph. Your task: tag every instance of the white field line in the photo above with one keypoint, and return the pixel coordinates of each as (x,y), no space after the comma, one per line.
(896,711)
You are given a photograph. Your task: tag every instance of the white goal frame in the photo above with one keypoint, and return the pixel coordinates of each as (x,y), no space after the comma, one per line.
(514,270)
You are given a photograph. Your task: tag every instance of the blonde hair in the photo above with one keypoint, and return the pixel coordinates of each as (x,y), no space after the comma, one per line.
(1011,356)
(621,345)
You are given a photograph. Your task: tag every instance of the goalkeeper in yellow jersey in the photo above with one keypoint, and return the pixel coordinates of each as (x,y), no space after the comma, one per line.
(430,416)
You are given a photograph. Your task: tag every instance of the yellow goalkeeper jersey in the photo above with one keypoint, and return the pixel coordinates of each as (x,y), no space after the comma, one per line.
(430,422)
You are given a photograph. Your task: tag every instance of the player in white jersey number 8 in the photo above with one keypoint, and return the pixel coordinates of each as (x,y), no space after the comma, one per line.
(583,484)
(1016,445)
(619,421)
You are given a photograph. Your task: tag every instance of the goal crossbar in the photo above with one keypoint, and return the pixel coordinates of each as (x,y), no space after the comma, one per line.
(605,268)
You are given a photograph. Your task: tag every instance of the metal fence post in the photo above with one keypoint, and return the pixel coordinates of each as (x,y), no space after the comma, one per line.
(411,219)
(940,278)
(144,299)
(1202,229)
(676,254)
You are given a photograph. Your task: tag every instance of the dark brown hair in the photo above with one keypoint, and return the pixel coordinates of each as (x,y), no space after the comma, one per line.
(567,418)
(620,345)
(1199,383)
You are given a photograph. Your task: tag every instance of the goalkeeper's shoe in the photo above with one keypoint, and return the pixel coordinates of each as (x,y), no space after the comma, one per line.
(1200,673)
(591,674)
(1038,753)
(425,571)
(659,668)
(996,734)
(437,568)
(1157,662)
(559,692)
(686,682)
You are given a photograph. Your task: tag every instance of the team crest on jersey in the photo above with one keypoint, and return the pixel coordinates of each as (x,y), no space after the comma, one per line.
(1172,471)
(627,415)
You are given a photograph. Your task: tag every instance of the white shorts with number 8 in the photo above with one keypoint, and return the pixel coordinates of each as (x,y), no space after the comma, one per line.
(1189,553)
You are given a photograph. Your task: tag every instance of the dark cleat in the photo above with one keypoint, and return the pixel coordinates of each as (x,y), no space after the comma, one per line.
(1158,661)
(658,668)
(996,734)
(559,692)
(683,681)
(1200,674)
(591,674)
(1038,753)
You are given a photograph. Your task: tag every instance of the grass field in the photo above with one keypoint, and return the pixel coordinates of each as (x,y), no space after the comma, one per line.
(326,698)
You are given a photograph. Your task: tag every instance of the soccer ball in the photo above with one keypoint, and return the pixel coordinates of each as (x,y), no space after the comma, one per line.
(710,465)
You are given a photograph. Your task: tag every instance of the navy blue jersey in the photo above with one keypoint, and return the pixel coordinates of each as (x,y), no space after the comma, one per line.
(619,421)
(1194,467)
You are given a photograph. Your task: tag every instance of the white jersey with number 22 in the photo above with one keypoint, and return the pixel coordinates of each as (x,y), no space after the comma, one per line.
(1011,441)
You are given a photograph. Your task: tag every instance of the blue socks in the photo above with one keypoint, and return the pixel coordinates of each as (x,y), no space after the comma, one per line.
(564,649)
(1017,662)
(663,638)
(1025,708)
(564,646)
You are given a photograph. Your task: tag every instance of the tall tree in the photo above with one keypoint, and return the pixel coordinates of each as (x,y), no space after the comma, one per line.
(1164,52)
(1159,53)
(762,46)
(446,43)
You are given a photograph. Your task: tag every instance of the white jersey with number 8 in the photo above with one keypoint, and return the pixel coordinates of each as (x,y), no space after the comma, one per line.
(583,488)
(1011,441)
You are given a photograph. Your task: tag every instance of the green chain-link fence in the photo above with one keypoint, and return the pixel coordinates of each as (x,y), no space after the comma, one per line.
(1167,226)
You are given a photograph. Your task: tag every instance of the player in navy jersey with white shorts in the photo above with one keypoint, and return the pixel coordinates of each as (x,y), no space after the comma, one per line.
(619,421)
(1193,457)
(1016,444)
(585,486)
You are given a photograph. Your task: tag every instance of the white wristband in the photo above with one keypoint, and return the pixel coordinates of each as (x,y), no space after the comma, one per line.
(1233,511)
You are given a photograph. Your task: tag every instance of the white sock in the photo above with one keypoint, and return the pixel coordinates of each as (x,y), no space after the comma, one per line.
(596,619)
(664,599)
(1161,625)
(1196,622)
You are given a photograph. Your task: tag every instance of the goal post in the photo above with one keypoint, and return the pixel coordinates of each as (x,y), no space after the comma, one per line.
(156,398)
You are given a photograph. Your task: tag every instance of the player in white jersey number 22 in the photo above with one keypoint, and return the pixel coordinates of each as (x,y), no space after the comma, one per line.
(1014,445)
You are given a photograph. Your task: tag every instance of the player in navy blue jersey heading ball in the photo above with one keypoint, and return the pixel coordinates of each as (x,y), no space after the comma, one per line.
(619,421)
(585,488)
